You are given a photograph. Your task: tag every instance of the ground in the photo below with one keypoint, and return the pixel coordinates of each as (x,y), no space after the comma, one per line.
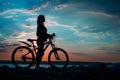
(96,72)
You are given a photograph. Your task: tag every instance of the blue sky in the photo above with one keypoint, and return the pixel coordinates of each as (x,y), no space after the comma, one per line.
(88,29)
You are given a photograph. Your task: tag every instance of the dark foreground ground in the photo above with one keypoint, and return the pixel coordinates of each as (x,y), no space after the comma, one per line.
(95,72)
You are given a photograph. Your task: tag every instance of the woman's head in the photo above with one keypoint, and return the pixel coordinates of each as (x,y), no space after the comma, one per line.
(41,19)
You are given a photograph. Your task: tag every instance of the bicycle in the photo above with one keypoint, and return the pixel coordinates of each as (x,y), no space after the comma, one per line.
(25,56)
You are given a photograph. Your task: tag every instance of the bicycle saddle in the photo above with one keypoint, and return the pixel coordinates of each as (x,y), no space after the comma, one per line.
(31,40)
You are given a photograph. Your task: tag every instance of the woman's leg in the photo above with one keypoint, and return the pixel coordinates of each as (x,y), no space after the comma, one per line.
(40,52)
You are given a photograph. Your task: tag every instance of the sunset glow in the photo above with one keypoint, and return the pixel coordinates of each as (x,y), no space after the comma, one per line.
(89,30)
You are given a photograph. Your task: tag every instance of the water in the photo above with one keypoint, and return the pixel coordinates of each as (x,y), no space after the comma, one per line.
(46,65)
(41,65)
(11,65)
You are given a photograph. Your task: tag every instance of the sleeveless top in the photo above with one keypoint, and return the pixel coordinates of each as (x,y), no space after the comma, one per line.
(41,32)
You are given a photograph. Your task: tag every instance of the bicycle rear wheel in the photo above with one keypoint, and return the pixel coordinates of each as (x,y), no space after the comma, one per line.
(23,57)
(58,58)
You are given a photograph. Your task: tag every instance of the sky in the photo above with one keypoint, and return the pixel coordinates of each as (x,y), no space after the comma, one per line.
(89,30)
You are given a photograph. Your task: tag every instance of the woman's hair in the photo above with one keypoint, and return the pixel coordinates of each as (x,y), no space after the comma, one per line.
(40,19)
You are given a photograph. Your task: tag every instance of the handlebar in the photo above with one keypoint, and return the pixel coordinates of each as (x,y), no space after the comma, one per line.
(53,34)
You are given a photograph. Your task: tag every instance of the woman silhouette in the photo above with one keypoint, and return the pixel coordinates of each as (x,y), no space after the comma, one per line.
(41,38)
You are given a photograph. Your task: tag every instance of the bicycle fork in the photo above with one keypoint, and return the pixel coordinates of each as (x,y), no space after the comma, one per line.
(56,55)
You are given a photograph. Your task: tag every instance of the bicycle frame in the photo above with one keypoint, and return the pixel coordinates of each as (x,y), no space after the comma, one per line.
(46,44)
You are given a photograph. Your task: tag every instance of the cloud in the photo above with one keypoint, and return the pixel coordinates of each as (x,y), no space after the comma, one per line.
(61,6)
(99,25)
(1,46)
(8,16)
(45,5)
(2,38)
(50,23)
(3,50)
(107,30)
(6,45)
(69,27)
(73,28)
(20,35)
(28,26)
(25,11)
(0,34)
(14,11)
(39,7)
(110,50)
(98,13)
(50,17)
(78,32)
(98,29)
(31,19)
(79,54)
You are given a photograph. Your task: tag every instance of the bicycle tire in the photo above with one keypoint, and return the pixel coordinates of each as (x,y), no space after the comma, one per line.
(18,63)
(58,64)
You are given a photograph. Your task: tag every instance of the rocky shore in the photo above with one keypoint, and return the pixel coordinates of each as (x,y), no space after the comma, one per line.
(96,72)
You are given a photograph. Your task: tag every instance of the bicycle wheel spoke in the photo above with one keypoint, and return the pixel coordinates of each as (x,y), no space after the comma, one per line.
(56,55)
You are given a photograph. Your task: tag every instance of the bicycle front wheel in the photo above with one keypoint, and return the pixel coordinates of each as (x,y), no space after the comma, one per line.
(23,57)
(58,58)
